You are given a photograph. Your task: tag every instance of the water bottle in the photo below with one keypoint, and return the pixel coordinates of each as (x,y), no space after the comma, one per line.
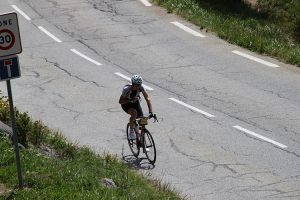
(137,128)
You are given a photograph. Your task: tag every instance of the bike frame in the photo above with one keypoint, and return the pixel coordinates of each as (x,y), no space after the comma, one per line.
(141,141)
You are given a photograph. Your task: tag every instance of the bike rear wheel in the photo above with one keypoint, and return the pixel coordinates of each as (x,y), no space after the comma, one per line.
(133,144)
(149,147)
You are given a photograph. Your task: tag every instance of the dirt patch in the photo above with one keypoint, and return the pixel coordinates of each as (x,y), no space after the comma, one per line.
(3,190)
(251,3)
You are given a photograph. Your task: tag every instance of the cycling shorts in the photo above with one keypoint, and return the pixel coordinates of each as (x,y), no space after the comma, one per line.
(136,106)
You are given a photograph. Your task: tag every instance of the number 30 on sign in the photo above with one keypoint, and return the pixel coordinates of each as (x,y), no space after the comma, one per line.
(7,39)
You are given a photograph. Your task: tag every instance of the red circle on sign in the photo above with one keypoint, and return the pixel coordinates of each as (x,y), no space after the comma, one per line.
(12,39)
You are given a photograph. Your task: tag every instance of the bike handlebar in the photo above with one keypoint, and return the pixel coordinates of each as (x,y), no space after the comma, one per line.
(153,116)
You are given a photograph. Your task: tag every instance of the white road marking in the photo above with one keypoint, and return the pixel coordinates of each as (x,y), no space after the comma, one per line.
(192,107)
(21,12)
(187,29)
(146,3)
(255,59)
(129,79)
(260,136)
(49,34)
(85,57)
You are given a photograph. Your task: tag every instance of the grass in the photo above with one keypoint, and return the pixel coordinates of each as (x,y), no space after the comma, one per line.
(240,25)
(76,178)
(68,171)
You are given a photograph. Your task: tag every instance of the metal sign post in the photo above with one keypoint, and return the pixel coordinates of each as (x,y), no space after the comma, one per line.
(10,45)
(9,69)
(15,136)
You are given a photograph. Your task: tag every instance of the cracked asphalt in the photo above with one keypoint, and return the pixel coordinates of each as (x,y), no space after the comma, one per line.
(202,157)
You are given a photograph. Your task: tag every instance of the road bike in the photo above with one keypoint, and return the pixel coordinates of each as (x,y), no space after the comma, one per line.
(144,139)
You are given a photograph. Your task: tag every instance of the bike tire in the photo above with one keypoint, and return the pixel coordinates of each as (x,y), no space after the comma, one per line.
(133,144)
(149,147)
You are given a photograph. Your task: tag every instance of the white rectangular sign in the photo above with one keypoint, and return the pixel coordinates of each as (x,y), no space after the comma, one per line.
(10,41)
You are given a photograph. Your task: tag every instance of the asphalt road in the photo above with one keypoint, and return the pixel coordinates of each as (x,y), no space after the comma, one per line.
(229,123)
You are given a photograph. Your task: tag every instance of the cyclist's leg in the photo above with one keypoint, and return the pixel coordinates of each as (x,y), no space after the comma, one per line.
(133,115)
(129,109)
(139,109)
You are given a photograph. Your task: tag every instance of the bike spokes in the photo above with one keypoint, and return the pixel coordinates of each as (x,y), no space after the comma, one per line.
(149,147)
(133,144)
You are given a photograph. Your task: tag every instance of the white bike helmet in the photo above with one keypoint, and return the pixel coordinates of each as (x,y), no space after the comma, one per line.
(136,79)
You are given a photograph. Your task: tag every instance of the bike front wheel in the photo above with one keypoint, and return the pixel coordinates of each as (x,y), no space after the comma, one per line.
(149,147)
(133,144)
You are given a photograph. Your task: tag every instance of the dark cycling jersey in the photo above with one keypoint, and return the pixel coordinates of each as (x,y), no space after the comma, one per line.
(127,92)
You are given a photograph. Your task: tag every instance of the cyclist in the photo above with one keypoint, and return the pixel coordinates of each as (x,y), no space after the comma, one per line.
(130,102)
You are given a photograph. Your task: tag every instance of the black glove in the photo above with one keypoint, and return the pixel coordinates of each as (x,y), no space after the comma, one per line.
(150,114)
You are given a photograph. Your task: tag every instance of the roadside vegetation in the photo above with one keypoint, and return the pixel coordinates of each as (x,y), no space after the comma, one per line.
(54,168)
(270,27)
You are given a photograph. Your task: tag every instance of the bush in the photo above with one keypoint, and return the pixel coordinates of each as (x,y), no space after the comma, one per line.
(284,13)
(23,121)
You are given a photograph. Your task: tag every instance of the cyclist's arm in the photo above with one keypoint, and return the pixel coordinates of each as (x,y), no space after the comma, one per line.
(146,96)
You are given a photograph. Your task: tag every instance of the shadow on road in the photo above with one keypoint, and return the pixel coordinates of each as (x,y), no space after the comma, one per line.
(138,163)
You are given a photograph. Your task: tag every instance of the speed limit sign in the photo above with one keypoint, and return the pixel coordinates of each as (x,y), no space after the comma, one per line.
(10,42)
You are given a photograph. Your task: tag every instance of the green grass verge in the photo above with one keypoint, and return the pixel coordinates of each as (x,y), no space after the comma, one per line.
(76,178)
(70,172)
(238,24)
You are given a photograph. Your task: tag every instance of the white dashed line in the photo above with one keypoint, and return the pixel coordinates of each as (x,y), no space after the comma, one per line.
(21,12)
(255,59)
(260,137)
(50,34)
(85,57)
(192,107)
(146,3)
(129,79)
(122,76)
(187,29)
